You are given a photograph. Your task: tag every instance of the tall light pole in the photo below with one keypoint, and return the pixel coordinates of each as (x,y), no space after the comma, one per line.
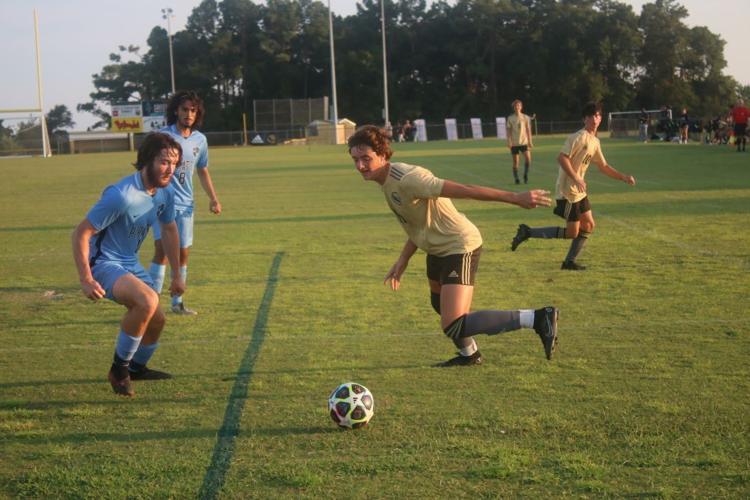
(385,66)
(333,65)
(166,13)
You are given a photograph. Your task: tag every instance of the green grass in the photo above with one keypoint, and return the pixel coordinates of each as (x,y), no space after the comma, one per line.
(648,395)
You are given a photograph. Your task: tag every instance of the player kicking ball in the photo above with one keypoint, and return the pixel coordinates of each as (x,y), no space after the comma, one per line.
(573,205)
(105,250)
(422,204)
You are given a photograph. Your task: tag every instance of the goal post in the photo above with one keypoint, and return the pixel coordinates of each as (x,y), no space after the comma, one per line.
(625,124)
(23,132)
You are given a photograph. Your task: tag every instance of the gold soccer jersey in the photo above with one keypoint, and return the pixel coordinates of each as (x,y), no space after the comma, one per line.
(431,222)
(582,148)
(517,127)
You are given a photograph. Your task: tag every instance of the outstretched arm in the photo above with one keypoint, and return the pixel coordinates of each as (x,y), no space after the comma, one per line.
(610,171)
(527,199)
(81,236)
(208,187)
(393,278)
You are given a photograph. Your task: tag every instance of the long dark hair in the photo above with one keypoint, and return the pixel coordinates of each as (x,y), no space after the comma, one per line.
(152,146)
(177,99)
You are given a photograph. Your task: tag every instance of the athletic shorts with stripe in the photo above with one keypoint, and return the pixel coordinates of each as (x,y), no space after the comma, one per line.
(571,212)
(456,269)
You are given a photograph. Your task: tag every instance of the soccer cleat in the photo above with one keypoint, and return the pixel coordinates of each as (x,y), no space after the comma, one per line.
(120,379)
(182,310)
(146,373)
(517,181)
(570,265)
(525,179)
(523,234)
(545,325)
(474,359)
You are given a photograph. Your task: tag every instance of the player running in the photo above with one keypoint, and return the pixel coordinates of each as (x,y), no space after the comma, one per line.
(184,115)
(105,250)
(573,204)
(422,205)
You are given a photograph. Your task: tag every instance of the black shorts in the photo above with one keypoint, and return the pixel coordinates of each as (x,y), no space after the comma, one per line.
(739,129)
(456,269)
(514,150)
(571,212)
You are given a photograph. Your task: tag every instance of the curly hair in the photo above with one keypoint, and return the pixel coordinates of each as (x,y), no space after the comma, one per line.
(373,136)
(591,108)
(152,146)
(177,99)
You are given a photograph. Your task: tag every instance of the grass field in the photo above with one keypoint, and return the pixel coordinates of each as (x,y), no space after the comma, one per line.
(647,396)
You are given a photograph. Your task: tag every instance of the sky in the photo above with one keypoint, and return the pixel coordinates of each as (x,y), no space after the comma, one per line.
(77,36)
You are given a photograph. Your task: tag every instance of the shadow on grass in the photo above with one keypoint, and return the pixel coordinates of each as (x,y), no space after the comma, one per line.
(190,433)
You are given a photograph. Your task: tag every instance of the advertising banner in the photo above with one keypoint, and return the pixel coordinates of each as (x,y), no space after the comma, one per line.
(451,132)
(127,117)
(502,132)
(476,128)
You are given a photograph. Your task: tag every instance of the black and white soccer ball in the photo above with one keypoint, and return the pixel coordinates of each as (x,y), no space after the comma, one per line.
(351,405)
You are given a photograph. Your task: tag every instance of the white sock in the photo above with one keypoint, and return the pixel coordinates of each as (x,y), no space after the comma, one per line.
(469,349)
(527,318)
(157,272)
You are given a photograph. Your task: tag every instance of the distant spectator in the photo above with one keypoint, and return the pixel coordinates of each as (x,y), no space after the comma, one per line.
(643,126)
(739,117)
(684,126)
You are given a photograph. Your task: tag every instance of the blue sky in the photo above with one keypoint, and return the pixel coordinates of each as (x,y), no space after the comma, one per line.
(77,37)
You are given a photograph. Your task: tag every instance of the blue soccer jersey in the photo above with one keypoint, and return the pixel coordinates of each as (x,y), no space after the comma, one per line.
(194,155)
(122,217)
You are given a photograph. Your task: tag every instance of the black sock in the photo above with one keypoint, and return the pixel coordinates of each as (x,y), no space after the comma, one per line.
(525,170)
(435,300)
(491,322)
(577,245)
(547,232)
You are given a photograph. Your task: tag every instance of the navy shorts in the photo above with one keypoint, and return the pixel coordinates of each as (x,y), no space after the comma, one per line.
(456,269)
(514,150)
(571,212)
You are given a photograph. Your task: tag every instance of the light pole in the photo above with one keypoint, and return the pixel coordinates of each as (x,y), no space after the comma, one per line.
(166,13)
(333,66)
(385,66)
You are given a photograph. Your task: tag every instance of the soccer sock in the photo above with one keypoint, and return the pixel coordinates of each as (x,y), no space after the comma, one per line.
(547,232)
(177,299)
(515,173)
(526,170)
(466,346)
(435,300)
(157,272)
(577,245)
(142,356)
(125,348)
(526,318)
(491,322)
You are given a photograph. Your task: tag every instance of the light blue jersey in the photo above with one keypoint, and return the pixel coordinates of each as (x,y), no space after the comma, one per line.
(194,155)
(122,217)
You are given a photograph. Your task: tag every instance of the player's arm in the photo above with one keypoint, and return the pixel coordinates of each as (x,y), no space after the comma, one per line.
(527,199)
(393,278)
(528,133)
(612,172)
(564,161)
(170,240)
(80,238)
(208,187)
(508,132)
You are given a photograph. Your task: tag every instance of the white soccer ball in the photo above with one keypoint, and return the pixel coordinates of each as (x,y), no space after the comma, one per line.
(351,405)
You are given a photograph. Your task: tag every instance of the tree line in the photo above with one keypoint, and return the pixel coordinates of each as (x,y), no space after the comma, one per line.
(469,58)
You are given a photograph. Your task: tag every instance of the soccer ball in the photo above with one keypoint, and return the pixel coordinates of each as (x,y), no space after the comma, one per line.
(351,405)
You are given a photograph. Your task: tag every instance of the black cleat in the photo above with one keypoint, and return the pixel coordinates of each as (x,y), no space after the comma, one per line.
(517,181)
(120,379)
(570,265)
(523,234)
(146,373)
(525,179)
(474,359)
(545,325)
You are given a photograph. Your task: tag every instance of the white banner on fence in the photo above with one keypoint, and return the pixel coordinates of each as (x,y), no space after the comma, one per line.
(421,130)
(451,132)
(476,128)
(502,133)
